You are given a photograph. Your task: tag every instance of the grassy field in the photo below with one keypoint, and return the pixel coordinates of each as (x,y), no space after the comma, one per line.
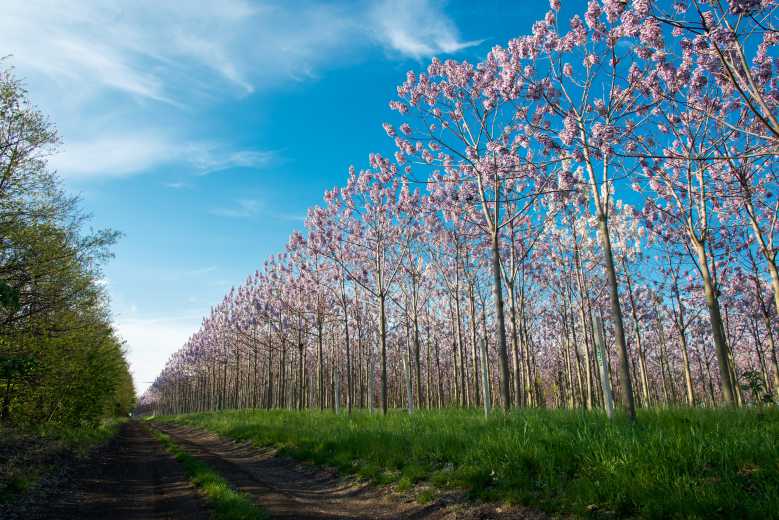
(27,456)
(225,502)
(683,463)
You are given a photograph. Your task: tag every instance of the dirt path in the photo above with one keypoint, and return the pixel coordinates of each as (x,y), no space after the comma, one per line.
(288,489)
(134,478)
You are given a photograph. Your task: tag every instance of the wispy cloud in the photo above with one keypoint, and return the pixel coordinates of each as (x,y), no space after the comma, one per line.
(112,156)
(416,28)
(130,153)
(243,208)
(210,159)
(152,65)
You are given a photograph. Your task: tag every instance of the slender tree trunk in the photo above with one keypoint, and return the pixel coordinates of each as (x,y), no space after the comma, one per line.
(320,364)
(300,366)
(686,365)
(500,323)
(717,328)
(515,345)
(417,346)
(485,371)
(581,285)
(283,401)
(616,315)
(458,394)
(383,341)
(236,386)
(464,389)
(255,352)
(601,208)
(223,397)
(639,347)
(603,367)
(349,385)
(668,384)
(428,367)
(524,339)
(269,392)
(407,372)
(474,348)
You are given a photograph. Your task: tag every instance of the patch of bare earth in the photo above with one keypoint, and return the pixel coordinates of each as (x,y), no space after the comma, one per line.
(290,489)
(133,478)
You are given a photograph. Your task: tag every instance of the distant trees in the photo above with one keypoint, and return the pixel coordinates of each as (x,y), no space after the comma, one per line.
(60,360)
(616,167)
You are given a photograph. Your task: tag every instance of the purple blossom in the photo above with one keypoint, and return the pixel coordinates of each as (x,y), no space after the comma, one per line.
(570,129)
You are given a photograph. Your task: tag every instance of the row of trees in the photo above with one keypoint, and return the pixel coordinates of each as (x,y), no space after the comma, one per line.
(60,360)
(592,207)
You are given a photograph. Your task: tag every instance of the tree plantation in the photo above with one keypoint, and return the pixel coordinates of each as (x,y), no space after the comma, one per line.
(550,290)
(589,211)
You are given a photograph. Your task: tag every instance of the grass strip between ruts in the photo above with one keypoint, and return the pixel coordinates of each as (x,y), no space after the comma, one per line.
(225,502)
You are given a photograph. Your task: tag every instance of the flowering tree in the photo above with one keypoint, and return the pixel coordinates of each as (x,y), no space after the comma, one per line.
(480,259)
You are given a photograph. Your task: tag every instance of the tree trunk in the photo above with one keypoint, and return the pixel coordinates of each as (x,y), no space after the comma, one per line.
(485,371)
(417,347)
(616,315)
(515,345)
(349,385)
(603,367)
(500,324)
(383,341)
(715,319)
(474,348)
(639,348)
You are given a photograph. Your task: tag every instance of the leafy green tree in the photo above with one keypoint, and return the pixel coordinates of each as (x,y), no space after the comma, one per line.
(60,359)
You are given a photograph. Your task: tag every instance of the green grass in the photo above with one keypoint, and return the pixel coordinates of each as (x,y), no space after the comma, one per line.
(225,502)
(672,463)
(28,455)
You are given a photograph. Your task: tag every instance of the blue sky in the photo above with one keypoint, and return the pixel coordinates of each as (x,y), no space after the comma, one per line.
(204,130)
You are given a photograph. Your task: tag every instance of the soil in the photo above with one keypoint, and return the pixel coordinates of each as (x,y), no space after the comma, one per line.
(134,478)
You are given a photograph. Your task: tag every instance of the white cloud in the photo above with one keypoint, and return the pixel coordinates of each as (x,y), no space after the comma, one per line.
(135,152)
(112,156)
(105,69)
(210,159)
(175,50)
(244,208)
(416,28)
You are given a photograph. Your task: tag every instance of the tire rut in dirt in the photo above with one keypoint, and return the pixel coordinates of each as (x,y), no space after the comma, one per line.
(288,489)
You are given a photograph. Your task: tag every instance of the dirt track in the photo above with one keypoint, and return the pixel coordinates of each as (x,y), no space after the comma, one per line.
(133,478)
